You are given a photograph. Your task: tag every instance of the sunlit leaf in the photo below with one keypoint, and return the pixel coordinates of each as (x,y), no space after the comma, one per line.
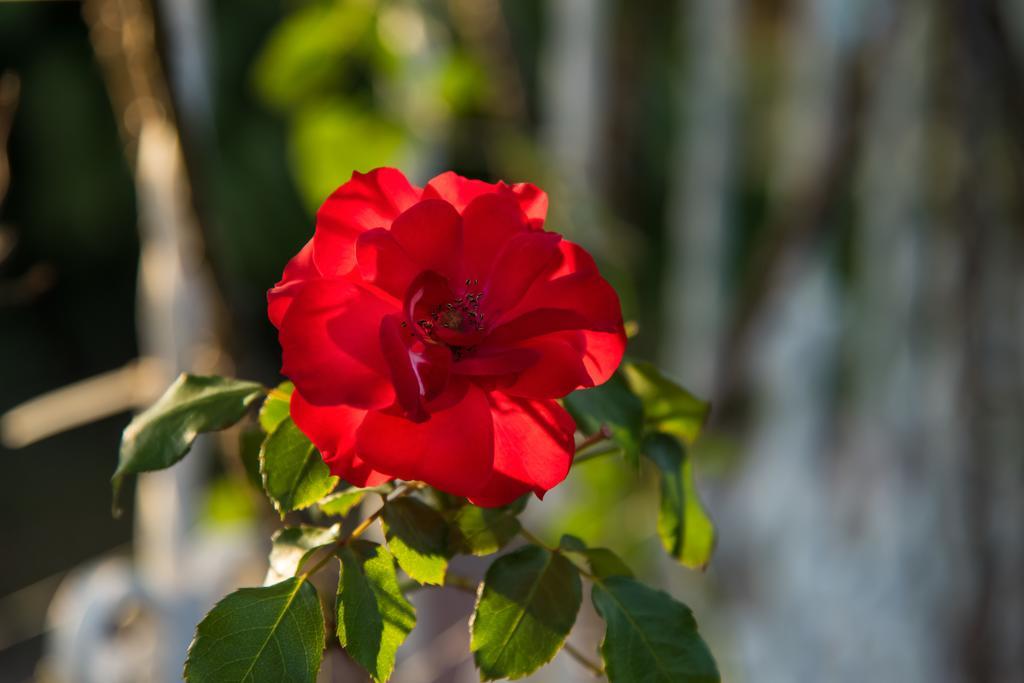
(650,637)
(341,503)
(269,634)
(294,475)
(374,618)
(162,434)
(525,610)
(276,407)
(417,534)
(291,546)
(667,406)
(250,441)
(686,531)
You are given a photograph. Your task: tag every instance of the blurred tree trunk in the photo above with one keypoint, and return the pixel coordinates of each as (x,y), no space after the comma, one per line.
(878,513)
(703,179)
(983,98)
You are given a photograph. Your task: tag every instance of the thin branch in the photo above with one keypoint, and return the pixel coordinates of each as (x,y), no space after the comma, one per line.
(602,434)
(10,91)
(406,488)
(525,533)
(604,449)
(587,663)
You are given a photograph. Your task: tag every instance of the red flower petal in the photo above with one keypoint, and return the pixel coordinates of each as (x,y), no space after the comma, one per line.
(533,449)
(330,345)
(489,222)
(460,192)
(575,259)
(577,299)
(367,201)
(332,429)
(573,302)
(521,261)
(456,190)
(452,451)
(431,234)
(419,371)
(383,262)
(604,354)
(560,370)
(537,323)
(361,474)
(534,203)
(496,362)
(499,490)
(426,237)
(298,270)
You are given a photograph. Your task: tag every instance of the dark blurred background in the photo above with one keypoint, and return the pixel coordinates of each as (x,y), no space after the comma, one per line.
(813,210)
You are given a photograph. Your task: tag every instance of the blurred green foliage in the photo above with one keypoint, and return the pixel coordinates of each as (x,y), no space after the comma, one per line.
(361,84)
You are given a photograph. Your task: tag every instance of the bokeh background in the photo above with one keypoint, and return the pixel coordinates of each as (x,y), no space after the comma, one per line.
(813,210)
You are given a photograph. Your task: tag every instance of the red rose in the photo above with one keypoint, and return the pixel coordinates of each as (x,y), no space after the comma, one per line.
(429,331)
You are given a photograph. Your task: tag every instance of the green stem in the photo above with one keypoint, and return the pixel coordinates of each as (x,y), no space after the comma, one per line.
(535,540)
(462,583)
(404,490)
(602,434)
(596,452)
(452,580)
(587,663)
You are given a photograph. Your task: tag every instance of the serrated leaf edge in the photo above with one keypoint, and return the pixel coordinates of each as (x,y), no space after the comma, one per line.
(291,598)
(476,605)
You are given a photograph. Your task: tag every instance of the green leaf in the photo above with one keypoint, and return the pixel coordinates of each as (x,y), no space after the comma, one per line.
(483,531)
(604,563)
(651,638)
(601,561)
(274,633)
(686,531)
(292,545)
(572,544)
(524,612)
(667,406)
(162,434)
(374,617)
(250,441)
(276,407)
(613,406)
(418,536)
(294,474)
(341,503)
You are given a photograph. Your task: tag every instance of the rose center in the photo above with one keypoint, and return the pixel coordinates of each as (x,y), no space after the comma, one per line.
(461,314)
